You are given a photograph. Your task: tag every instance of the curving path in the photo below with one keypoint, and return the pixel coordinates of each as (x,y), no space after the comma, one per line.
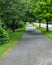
(34,48)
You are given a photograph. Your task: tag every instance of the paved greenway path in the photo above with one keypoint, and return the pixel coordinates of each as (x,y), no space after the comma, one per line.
(34,48)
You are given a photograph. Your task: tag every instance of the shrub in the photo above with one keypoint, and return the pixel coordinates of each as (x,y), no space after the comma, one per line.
(21,24)
(4,37)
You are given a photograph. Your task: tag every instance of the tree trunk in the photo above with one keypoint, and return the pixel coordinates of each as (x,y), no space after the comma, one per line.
(47,28)
(13,25)
(39,23)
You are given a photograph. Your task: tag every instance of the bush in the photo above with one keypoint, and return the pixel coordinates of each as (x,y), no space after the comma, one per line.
(21,24)
(4,37)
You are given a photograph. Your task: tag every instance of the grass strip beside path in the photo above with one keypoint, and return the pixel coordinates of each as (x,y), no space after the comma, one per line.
(14,38)
(49,33)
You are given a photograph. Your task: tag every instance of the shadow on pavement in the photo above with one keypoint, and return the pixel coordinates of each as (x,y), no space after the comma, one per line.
(33,32)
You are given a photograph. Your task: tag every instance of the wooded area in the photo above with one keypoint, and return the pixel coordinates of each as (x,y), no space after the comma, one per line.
(15,13)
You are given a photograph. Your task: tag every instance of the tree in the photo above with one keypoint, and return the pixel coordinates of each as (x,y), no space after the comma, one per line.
(46,14)
(12,11)
(42,11)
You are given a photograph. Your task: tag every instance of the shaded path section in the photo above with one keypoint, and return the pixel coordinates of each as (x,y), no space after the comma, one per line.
(33,49)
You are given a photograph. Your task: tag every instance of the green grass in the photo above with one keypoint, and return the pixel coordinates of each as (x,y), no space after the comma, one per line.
(14,37)
(49,33)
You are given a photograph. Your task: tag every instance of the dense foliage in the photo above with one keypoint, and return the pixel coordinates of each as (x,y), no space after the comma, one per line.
(4,37)
(13,13)
(43,11)
(11,16)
